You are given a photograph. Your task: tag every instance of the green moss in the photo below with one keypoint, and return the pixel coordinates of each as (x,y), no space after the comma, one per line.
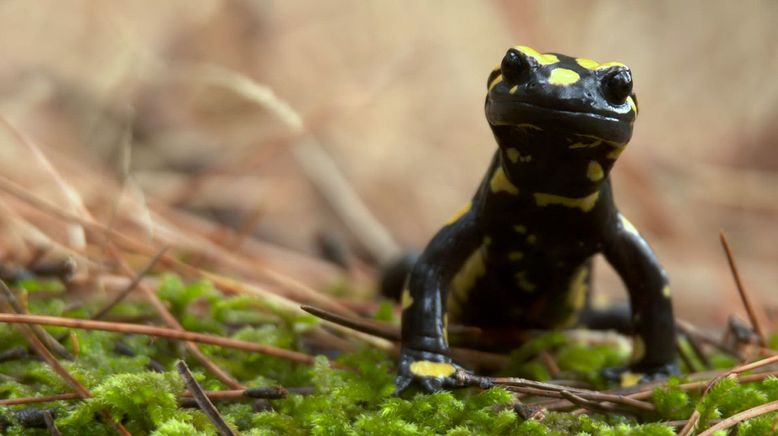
(672,402)
(356,401)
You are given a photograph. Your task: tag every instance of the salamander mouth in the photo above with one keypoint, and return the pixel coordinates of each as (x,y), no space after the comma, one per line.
(610,125)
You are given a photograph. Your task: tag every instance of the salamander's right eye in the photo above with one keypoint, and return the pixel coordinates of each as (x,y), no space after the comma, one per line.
(514,66)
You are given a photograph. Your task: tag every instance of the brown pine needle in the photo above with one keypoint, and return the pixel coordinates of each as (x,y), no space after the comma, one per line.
(647,390)
(131,286)
(363,325)
(42,399)
(740,417)
(532,387)
(45,336)
(53,430)
(46,355)
(268,393)
(482,358)
(161,332)
(691,424)
(202,400)
(744,295)
(173,323)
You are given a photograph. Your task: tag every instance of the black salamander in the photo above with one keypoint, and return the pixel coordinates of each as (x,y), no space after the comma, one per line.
(519,254)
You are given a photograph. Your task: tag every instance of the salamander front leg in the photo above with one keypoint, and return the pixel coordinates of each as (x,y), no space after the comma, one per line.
(654,353)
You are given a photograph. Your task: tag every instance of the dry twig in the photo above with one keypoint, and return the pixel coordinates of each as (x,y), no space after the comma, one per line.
(742,416)
(202,400)
(550,390)
(744,296)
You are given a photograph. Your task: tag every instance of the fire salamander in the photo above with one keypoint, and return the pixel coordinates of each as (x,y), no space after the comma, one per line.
(519,254)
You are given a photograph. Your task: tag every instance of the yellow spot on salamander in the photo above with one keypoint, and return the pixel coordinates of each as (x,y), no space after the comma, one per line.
(628,225)
(638,349)
(666,291)
(610,64)
(513,89)
(523,283)
(594,171)
(454,218)
(584,203)
(632,104)
(563,77)
(494,83)
(629,379)
(531,239)
(578,288)
(445,328)
(426,368)
(515,156)
(500,183)
(515,255)
(542,59)
(587,63)
(520,228)
(487,240)
(614,154)
(576,296)
(406,300)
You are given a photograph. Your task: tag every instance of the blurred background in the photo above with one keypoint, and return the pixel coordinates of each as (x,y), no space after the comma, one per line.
(360,123)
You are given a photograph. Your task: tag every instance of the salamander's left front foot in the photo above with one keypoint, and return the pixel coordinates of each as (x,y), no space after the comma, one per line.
(629,375)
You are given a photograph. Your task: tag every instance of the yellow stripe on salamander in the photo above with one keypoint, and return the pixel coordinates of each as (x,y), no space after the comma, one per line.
(460,213)
(470,271)
(494,83)
(632,104)
(584,203)
(406,300)
(611,64)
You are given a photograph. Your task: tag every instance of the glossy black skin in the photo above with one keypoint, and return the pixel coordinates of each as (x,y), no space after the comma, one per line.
(564,238)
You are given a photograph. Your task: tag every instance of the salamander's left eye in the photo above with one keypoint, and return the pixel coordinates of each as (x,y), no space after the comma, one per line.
(514,66)
(617,86)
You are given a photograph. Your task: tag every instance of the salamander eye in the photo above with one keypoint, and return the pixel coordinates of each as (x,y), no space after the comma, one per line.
(514,66)
(617,86)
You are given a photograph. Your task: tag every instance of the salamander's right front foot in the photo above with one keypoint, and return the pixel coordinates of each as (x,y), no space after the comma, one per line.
(433,371)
